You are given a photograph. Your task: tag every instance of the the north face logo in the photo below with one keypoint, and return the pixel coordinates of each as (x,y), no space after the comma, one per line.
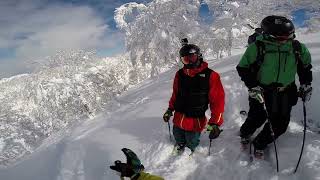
(202,75)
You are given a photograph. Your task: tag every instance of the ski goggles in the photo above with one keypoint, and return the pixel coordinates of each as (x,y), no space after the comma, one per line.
(189,59)
(283,38)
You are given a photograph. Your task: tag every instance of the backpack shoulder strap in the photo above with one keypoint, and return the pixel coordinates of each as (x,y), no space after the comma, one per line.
(208,74)
(208,71)
(297,49)
(260,52)
(181,75)
(180,72)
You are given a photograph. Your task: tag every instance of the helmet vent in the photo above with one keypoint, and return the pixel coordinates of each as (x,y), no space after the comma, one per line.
(277,21)
(192,51)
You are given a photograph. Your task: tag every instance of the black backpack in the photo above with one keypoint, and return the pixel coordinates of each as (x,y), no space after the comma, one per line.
(252,38)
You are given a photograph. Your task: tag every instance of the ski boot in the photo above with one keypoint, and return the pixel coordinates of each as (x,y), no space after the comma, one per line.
(245,143)
(191,152)
(258,154)
(178,149)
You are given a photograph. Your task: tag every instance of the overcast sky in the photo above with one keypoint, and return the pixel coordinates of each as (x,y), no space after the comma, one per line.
(33,29)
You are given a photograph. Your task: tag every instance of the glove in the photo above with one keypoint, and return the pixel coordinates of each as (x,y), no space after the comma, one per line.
(256,93)
(167,115)
(132,168)
(124,169)
(305,92)
(214,131)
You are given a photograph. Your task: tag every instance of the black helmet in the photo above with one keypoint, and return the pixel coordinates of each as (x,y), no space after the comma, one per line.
(190,56)
(189,49)
(278,27)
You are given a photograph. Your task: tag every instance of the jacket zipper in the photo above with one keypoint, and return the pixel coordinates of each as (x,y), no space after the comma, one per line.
(285,63)
(181,120)
(279,63)
(198,122)
(219,118)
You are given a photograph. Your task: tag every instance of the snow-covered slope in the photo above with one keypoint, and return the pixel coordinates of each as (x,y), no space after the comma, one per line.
(134,120)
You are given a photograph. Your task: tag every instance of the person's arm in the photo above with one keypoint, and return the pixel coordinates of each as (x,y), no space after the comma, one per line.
(216,99)
(147,176)
(244,67)
(304,72)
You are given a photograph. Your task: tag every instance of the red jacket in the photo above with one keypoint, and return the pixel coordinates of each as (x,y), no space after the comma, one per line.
(216,102)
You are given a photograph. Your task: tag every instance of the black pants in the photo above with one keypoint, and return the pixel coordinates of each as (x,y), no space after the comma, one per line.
(279,105)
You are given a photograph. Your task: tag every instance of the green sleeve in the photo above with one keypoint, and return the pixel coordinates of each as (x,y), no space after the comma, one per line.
(305,55)
(147,176)
(249,57)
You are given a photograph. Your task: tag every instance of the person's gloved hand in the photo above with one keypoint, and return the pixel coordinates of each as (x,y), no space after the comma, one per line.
(167,115)
(214,131)
(132,168)
(124,169)
(256,93)
(305,92)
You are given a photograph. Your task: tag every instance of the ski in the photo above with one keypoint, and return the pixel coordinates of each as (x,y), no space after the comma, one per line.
(246,154)
(175,151)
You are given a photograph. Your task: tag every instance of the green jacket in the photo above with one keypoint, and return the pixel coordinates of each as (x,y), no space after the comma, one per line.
(279,64)
(147,176)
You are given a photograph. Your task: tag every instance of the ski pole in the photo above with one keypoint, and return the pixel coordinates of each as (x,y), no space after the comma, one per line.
(304,132)
(211,142)
(272,133)
(274,142)
(250,151)
(209,147)
(169,131)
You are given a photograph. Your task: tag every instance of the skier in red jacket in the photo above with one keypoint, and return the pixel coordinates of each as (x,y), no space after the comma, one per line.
(195,86)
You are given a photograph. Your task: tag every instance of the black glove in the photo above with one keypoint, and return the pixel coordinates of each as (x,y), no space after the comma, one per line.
(305,92)
(167,115)
(256,93)
(214,131)
(132,168)
(124,169)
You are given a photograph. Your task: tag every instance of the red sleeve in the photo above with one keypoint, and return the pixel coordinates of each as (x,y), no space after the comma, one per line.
(216,99)
(174,92)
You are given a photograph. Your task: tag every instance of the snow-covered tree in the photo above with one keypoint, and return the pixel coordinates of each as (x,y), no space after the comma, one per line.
(153,30)
(152,39)
(69,87)
(253,11)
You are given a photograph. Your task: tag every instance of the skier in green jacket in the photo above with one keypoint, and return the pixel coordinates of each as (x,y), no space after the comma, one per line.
(133,168)
(268,68)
